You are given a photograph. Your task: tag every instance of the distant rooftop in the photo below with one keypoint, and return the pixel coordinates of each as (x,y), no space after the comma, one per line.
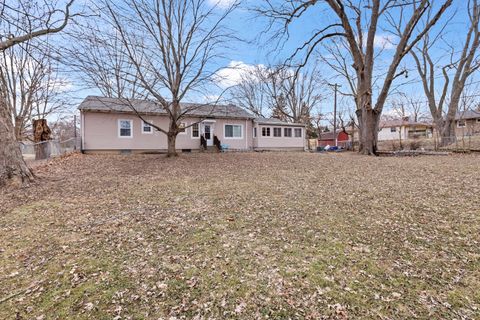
(401,122)
(468,114)
(104,104)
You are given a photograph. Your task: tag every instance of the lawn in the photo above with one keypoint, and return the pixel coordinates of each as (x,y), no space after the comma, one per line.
(243,236)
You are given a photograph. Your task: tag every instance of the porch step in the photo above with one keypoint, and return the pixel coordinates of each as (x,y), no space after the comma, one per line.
(211,149)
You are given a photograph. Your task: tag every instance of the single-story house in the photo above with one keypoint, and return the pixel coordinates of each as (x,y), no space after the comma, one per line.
(467,123)
(112,125)
(328,138)
(401,129)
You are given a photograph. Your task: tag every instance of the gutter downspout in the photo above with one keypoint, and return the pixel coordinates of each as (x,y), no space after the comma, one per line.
(82,130)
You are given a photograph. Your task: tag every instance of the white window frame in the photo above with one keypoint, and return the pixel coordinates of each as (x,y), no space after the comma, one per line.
(185,126)
(232,138)
(464,121)
(295,130)
(291,133)
(191,130)
(255,132)
(269,132)
(478,120)
(119,127)
(143,126)
(393,129)
(273,132)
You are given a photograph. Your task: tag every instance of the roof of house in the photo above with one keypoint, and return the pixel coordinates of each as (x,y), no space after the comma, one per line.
(401,123)
(467,114)
(328,135)
(274,121)
(104,104)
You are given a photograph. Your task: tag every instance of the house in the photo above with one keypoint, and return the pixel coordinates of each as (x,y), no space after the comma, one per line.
(401,129)
(111,125)
(467,123)
(273,134)
(328,138)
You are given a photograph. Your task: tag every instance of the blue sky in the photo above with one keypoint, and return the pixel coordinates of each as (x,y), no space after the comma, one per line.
(258,48)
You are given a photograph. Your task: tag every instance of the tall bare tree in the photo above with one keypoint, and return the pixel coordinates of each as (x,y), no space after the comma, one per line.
(455,72)
(279,92)
(102,61)
(31,84)
(358,23)
(172,45)
(403,106)
(47,20)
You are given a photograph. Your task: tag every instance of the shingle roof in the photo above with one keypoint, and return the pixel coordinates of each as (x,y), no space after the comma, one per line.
(274,121)
(468,114)
(400,122)
(104,104)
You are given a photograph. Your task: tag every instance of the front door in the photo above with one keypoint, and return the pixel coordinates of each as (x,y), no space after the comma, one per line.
(208,133)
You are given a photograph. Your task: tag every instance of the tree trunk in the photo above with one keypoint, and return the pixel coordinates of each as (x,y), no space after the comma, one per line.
(447,133)
(13,169)
(171,139)
(368,131)
(41,134)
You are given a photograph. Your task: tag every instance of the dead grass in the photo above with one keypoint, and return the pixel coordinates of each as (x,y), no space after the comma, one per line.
(251,235)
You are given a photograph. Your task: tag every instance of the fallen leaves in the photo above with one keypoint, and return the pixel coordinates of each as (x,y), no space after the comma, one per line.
(250,235)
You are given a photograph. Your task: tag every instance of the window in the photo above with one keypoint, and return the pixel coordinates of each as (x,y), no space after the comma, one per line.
(254,132)
(146,128)
(265,132)
(277,132)
(287,132)
(233,131)
(182,128)
(125,128)
(195,131)
(478,120)
(298,132)
(461,123)
(393,129)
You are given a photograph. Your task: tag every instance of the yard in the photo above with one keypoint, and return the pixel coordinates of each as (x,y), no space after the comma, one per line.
(243,235)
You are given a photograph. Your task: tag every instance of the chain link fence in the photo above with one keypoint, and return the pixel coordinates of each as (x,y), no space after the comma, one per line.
(464,143)
(48,149)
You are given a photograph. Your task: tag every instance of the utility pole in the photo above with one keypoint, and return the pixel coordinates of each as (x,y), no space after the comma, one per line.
(335,116)
(335,87)
(75,131)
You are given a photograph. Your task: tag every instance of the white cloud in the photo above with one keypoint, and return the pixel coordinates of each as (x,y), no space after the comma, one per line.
(234,73)
(385,41)
(221,3)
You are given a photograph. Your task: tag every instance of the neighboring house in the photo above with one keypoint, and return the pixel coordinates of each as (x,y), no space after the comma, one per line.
(402,129)
(110,125)
(328,138)
(467,123)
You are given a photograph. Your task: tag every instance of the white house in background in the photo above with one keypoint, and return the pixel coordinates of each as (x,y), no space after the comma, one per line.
(111,125)
(402,129)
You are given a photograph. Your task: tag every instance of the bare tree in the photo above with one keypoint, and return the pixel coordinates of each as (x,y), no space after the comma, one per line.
(12,166)
(404,106)
(279,92)
(455,73)
(31,84)
(358,24)
(295,94)
(102,61)
(251,92)
(172,46)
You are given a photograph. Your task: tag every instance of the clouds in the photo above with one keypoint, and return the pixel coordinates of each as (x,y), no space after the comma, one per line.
(385,41)
(222,3)
(234,73)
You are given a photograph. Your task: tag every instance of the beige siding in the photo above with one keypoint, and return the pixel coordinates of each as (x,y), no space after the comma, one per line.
(282,142)
(101,132)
